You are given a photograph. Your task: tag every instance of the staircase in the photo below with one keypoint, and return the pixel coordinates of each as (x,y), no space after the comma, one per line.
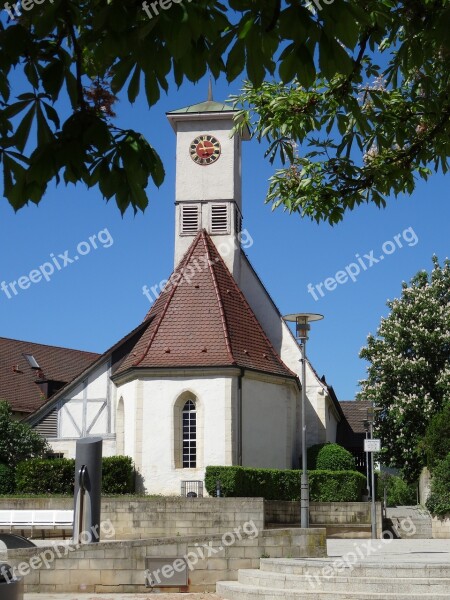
(410,522)
(332,579)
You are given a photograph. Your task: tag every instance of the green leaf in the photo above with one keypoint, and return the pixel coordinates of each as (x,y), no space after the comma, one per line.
(236,61)
(121,71)
(51,114)
(23,131)
(44,133)
(53,78)
(152,91)
(134,86)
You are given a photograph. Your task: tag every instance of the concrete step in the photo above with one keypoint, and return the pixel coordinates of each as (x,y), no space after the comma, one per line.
(320,566)
(342,583)
(234,590)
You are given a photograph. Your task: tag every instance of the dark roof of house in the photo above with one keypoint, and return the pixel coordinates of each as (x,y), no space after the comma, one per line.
(202,319)
(18,379)
(352,429)
(355,412)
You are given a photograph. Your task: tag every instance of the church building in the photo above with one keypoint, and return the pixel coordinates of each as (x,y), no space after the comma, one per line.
(211,376)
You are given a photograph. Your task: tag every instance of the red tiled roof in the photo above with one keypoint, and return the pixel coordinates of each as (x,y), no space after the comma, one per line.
(17,378)
(203,320)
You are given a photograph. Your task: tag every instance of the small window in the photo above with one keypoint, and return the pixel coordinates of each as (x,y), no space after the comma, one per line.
(32,361)
(189,418)
(190,219)
(55,455)
(219,218)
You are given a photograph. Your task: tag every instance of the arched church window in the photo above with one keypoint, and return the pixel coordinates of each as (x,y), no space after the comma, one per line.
(189,418)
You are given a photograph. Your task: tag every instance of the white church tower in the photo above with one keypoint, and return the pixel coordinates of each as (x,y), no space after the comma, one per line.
(208,192)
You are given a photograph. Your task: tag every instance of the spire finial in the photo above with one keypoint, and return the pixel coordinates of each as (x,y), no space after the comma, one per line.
(210,89)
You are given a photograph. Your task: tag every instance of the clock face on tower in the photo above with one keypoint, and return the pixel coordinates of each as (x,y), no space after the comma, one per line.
(205,150)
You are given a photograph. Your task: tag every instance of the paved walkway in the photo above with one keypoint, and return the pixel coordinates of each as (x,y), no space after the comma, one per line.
(388,551)
(120,596)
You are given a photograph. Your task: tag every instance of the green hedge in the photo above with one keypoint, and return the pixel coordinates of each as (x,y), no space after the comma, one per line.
(275,484)
(56,476)
(438,502)
(44,476)
(6,479)
(117,475)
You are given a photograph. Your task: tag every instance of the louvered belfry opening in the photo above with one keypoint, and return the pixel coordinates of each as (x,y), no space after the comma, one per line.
(219,218)
(190,219)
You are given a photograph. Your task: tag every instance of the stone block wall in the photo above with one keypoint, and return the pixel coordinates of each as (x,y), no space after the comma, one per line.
(341,519)
(441,527)
(113,566)
(144,517)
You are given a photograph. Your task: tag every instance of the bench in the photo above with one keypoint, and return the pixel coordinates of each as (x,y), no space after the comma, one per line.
(36,519)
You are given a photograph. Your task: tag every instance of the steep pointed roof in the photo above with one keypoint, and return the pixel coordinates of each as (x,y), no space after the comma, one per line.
(202,319)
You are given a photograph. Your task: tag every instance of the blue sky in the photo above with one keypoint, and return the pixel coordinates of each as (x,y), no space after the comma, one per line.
(93,302)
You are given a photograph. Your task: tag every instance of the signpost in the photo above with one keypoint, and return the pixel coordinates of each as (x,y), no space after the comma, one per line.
(371,445)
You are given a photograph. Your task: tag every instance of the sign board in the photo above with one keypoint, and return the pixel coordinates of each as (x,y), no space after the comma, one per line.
(372,445)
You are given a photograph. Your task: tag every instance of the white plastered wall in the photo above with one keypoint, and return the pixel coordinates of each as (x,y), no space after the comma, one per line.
(285,344)
(149,409)
(269,423)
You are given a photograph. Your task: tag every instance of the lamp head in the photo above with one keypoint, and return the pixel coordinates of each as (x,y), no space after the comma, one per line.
(302,323)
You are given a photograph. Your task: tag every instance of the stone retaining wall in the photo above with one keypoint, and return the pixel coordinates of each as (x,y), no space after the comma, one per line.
(113,566)
(341,519)
(441,527)
(145,517)
(135,518)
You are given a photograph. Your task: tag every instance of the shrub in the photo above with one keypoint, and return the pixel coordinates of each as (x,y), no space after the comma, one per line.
(438,502)
(56,476)
(275,484)
(333,457)
(6,480)
(43,476)
(312,454)
(398,491)
(437,438)
(117,475)
(18,441)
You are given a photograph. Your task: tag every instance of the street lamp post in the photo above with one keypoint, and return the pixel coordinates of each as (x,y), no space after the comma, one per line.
(369,421)
(302,328)
(367,429)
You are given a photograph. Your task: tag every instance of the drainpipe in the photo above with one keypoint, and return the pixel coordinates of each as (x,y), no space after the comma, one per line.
(239,407)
